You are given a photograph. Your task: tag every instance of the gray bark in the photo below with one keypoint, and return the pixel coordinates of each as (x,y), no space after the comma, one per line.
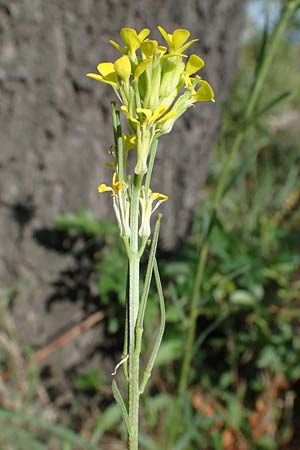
(55,130)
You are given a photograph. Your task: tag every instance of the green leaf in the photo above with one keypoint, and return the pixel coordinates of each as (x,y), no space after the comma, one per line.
(119,399)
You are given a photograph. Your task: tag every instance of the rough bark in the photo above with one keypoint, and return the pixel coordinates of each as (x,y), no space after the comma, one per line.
(55,130)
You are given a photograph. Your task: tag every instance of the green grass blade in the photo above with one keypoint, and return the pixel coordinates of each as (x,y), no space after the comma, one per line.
(58,430)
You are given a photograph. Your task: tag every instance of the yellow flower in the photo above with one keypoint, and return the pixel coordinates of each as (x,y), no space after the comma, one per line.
(147,209)
(131,39)
(121,203)
(157,115)
(114,188)
(204,93)
(140,68)
(152,117)
(177,40)
(129,141)
(123,68)
(155,87)
(109,72)
(128,115)
(149,47)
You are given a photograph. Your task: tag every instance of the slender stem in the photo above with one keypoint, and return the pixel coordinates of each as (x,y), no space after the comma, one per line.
(287,12)
(125,346)
(148,277)
(188,348)
(118,137)
(134,269)
(150,164)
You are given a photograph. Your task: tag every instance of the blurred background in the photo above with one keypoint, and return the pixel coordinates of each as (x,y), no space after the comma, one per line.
(62,266)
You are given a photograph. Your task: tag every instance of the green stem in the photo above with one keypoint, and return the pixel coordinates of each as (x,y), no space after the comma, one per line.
(188,348)
(275,39)
(288,10)
(152,155)
(118,137)
(134,274)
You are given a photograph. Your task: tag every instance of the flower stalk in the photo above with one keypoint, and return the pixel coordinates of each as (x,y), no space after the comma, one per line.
(155,85)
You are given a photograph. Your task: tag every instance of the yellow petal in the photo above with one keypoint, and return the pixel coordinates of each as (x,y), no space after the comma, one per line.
(158,112)
(146,112)
(188,81)
(204,93)
(123,68)
(168,116)
(194,64)
(165,35)
(109,79)
(95,76)
(179,38)
(143,34)
(129,141)
(118,186)
(158,196)
(105,68)
(149,47)
(130,39)
(128,115)
(104,188)
(117,46)
(141,68)
(188,44)
(162,49)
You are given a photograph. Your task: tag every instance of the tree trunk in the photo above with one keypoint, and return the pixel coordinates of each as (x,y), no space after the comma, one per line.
(55,130)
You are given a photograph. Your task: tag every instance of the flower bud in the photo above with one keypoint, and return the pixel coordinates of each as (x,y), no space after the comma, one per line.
(172,72)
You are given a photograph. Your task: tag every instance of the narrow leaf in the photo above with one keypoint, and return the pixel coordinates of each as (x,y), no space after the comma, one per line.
(120,402)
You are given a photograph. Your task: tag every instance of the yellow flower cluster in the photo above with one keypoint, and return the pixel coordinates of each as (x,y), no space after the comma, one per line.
(156,84)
